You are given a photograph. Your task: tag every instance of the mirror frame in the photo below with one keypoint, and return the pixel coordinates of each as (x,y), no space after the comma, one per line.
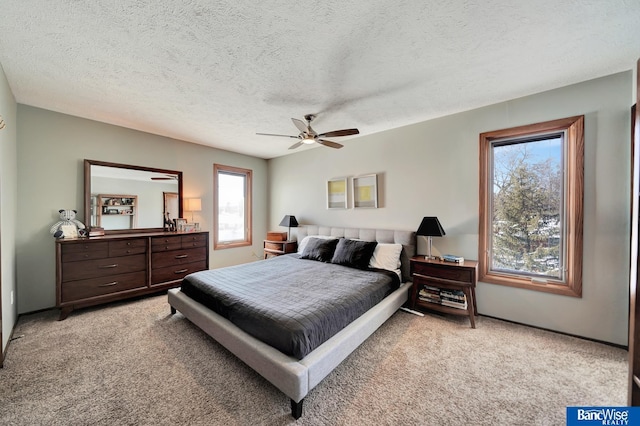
(87,192)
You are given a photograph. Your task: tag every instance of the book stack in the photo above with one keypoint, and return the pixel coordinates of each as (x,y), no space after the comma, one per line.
(430,294)
(451,298)
(96,231)
(452,258)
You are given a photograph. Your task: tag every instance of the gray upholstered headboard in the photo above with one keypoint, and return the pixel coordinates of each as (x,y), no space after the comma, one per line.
(406,238)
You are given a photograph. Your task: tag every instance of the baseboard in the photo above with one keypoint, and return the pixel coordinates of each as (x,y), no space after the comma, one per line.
(3,354)
(559,332)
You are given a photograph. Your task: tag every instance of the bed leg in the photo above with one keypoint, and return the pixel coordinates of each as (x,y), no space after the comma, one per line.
(296,409)
(173,310)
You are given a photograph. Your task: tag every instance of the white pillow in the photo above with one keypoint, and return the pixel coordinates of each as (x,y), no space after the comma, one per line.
(302,244)
(386,256)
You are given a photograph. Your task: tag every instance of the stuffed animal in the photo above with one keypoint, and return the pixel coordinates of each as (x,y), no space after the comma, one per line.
(68,219)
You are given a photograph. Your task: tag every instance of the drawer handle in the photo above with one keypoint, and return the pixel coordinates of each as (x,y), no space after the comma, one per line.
(109,284)
(182,256)
(181,271)
(115,265)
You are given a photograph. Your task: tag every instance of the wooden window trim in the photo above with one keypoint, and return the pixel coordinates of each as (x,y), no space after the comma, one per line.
(574,169)
(248,174)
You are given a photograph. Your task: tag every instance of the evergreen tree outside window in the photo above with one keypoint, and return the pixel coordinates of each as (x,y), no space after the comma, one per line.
(531,194)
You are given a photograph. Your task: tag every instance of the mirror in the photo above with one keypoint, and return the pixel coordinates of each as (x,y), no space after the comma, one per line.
(122,198)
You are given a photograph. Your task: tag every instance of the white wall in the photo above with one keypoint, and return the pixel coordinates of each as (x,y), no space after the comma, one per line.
(51,150)
(8,194)
(431,169)
(150,205)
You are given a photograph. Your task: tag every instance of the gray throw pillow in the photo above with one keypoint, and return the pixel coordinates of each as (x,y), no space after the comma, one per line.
(319,249)
(354,253)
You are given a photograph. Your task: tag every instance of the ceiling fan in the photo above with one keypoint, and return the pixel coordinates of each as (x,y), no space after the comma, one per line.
(308,136)
(165,177)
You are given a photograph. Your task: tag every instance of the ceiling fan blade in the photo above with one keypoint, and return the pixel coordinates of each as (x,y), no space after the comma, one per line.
(167,177)
(301,125)
(271,134)
(344,132)
(329,143)
(295,145)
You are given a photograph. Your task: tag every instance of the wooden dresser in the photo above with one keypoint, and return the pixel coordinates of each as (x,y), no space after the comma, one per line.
(97,270)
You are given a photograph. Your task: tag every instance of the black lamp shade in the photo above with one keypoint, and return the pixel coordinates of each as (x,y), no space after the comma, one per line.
(430,226)
(289,221)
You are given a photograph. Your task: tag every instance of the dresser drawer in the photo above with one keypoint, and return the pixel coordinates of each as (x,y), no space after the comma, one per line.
(176,272)
(178,257)
(127,247)
(166,243)
(86,251)
(82,289)
(84,247)
(195,240)
(442,271)
(73,271)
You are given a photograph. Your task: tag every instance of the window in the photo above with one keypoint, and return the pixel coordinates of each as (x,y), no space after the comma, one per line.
(531,206)
(232,207)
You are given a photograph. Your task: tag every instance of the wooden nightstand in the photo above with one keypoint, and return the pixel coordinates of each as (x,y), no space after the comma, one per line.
(443,284)
(277,248)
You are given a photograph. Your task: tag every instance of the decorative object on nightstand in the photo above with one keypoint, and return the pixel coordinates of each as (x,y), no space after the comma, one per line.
(452,258)
(192,205)
(290,222)
(430,227)
(446,287)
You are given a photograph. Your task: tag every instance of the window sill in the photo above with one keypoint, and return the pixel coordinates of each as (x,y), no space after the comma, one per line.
(527,284)
(222,246)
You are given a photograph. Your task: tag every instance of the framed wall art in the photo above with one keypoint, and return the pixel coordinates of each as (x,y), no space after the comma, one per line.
(365,191)
(337,193)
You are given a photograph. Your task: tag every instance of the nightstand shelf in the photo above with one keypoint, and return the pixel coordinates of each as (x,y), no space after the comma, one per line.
(444,279)
(278,248)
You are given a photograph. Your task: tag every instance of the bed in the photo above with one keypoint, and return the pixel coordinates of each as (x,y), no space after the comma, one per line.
(296,370)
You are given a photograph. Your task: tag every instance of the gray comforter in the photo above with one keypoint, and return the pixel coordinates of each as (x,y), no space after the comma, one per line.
(289,303)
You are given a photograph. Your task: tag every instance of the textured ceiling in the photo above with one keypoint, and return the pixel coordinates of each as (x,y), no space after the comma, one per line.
(215,73)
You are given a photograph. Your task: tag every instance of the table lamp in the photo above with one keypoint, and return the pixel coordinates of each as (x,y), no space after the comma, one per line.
(193,205)
(290,222)
(430,227)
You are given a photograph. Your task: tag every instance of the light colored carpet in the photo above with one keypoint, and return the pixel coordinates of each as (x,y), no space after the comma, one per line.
(132,363)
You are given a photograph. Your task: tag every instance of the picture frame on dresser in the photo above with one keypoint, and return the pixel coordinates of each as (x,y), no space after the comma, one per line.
(337,193)
(365,191)
(181,224)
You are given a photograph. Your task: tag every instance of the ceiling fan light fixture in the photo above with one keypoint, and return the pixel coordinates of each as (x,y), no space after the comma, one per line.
(308,136)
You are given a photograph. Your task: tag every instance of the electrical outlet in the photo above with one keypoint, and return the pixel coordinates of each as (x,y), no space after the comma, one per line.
(12,297)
